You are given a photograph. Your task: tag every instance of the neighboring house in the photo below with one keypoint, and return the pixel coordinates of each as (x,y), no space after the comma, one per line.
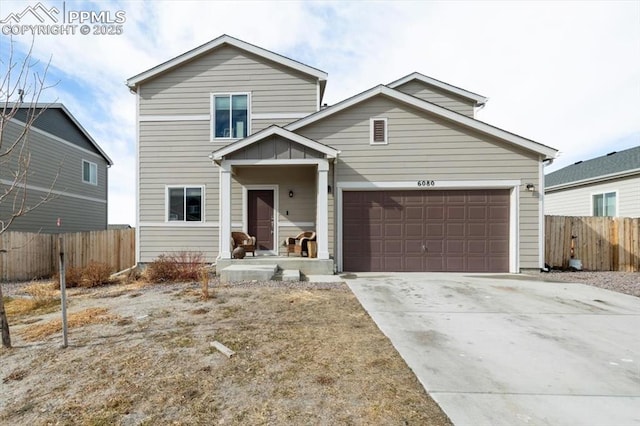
(66,165)
(400,177)
(603,186)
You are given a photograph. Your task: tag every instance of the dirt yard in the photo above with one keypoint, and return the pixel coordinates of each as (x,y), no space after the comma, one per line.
(304,354)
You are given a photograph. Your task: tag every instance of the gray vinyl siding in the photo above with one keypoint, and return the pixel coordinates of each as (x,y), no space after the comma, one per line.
(577,201)
(187,89)
(438,96)
(81,206)
(172,239)
(422,146)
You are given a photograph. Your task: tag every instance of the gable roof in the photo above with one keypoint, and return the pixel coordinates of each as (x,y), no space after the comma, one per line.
(56,119)
(614,164)
(463,120)
(270,131)
(136,80)
(478,99)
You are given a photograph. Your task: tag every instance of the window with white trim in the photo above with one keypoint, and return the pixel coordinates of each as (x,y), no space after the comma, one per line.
(230,117)
(89,172)
(378,131)
(604,204)
(185,203)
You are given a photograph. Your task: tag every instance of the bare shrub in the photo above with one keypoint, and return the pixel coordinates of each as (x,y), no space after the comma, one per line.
(188,263)
(177,266)
(162,270)
(92,275)
(95,274)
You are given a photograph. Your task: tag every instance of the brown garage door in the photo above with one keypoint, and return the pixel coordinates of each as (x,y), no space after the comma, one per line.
(430,231)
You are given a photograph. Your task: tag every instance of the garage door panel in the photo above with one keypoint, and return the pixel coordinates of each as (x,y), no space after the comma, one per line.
(477,230)
(461,230)
(456,213)
(455,230)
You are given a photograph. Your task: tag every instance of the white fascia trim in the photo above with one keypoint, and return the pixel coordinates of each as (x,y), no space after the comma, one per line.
(514,211)
(175,117)
(185,224)
(280,115)
(137,177)
(596,179)
(270,131)
(135,80)
(431,108)
(479,99)
(438,184)
(57,139)
(52,191)
(302,162)
(541,227)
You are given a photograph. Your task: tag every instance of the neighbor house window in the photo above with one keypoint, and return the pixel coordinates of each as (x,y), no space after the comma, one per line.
(89,172)
(604,204)
(378,131)
(230,116)
(184,203)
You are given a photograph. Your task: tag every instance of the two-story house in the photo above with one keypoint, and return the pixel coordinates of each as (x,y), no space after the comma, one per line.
(400,177)
(65,167)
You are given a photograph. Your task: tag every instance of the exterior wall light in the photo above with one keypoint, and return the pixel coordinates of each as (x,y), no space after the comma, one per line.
(290,194)
(531,187)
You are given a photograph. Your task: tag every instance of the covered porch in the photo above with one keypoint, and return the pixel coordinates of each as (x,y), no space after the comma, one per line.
(274,185)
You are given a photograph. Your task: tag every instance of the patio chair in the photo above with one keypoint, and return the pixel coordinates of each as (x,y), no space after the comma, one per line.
(299,243)
(244,240)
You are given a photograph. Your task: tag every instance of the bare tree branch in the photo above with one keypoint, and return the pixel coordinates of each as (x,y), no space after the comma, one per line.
(22,80)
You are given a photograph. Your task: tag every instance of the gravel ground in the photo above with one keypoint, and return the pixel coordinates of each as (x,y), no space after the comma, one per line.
(622,282)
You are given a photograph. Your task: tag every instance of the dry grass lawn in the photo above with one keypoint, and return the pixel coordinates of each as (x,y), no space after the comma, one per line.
(143,356)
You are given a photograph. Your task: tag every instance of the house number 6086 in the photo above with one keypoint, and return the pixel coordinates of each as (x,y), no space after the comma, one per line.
(426,183)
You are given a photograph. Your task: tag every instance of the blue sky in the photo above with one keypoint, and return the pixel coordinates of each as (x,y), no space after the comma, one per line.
(565,74)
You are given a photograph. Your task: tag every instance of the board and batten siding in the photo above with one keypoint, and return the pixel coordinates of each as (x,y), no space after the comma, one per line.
(81,206)
(423,146)
(438,96)
(187,90)
(577,201)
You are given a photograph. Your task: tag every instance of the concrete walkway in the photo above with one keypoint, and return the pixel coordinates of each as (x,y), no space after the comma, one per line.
(505,350)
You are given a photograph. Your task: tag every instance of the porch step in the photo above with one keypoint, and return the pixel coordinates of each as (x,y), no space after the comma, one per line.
(290,275)
(246,272)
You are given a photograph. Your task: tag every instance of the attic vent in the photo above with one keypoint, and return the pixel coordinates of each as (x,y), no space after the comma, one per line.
(577,162)
(611,153)
(378,131)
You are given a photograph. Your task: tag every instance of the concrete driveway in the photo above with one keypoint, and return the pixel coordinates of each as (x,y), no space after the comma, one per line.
(507,350)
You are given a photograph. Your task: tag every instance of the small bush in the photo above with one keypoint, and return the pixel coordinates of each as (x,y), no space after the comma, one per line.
(162,270)
(92,275)
(95,274)
(178,266)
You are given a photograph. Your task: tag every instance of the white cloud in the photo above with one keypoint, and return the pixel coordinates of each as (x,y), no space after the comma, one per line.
(566,74)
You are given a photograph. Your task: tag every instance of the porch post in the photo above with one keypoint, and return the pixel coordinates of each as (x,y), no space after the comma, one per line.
(322,210)
(225,211)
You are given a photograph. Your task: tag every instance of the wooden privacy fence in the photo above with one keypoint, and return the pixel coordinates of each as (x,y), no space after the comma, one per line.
(601,243)
(32,256)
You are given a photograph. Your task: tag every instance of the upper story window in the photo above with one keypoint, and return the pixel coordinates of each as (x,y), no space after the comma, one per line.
(184,203)
(378,131)
(604,204)
(230,115)
(89,172)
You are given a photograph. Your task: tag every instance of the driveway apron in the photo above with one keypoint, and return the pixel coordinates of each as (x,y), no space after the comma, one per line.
(508,350)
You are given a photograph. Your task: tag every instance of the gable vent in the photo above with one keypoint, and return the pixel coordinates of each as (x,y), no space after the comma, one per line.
(378,131)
